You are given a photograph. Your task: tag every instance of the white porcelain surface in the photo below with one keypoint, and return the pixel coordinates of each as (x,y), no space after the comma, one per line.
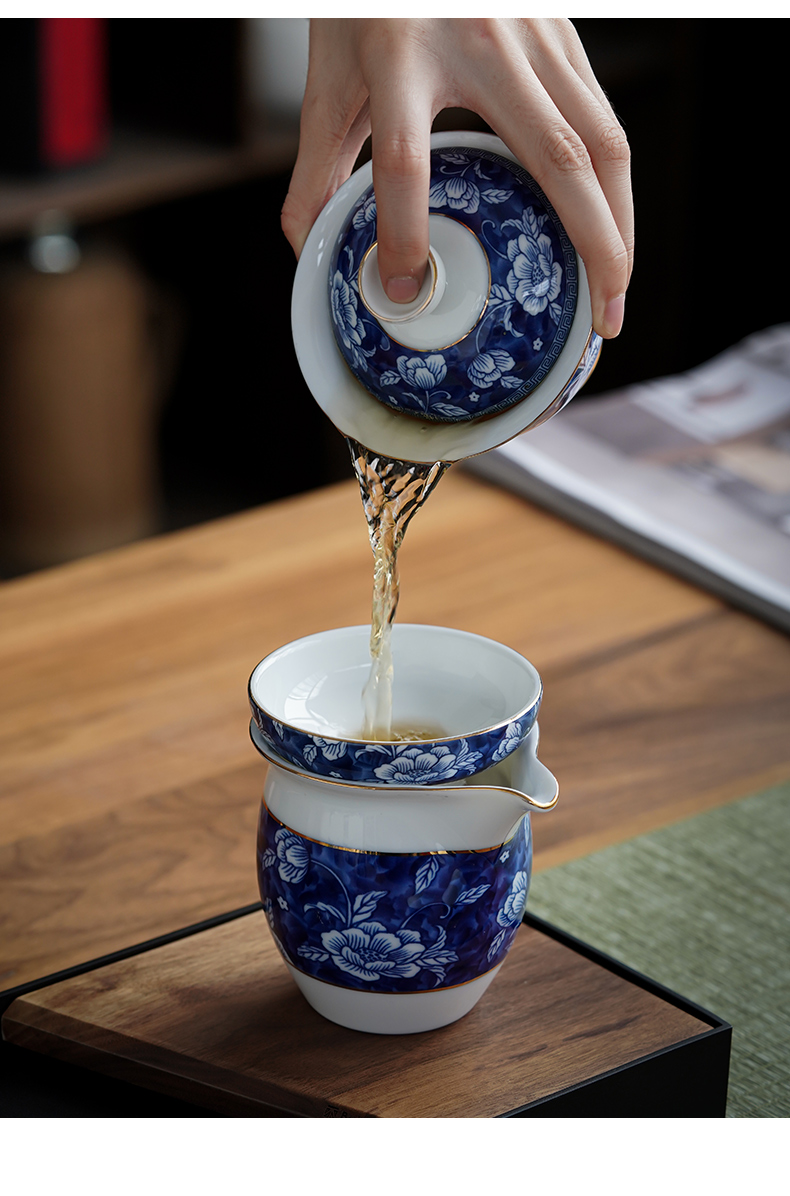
(355,412)
(391,1013)
(461,289)
(469,815)
(462,681)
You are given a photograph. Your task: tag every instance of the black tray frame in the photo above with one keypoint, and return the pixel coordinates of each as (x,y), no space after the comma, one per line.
(687,1079)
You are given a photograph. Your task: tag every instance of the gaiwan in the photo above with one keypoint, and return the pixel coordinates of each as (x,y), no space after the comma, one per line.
(496,307)
(499,339)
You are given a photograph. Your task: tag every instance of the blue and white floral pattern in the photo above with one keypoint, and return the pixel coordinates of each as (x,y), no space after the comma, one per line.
(589,360)
(391,922)
(410,764)
(514,733)
(522,330)
(535,279)
(424,375)
(488,368)
(350,330)
(394,763)
(511,912)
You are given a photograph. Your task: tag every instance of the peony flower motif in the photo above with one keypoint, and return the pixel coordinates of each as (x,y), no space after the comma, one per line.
(345,315)
(373,956)
(535,278)
(457,193)
(415,766)
(466,761)
(366,213)
(423,372)
(508,743)
(292,855)
(488,368)
(511,911)
(331,749)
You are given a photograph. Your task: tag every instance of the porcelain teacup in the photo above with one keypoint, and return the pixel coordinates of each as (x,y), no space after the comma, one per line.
(306,702)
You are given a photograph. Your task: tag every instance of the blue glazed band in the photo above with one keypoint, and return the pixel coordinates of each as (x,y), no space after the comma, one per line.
(391,922)
(395,763)
(524,325)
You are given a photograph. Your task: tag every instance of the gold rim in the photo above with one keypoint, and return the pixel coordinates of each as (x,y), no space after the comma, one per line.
(286,766)
(452,344)
(412,315)
(365,851)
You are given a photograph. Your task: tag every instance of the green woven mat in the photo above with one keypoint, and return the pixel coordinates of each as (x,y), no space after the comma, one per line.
(702,907)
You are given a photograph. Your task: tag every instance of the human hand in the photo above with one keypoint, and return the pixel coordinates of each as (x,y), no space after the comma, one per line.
(530,81)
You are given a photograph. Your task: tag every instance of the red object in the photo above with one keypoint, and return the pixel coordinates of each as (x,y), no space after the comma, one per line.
(73,89)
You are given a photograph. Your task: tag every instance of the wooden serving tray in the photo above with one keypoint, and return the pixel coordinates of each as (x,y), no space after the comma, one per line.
(214,1019)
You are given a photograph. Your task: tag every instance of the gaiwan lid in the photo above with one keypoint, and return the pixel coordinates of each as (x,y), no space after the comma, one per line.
(496,306)
(499,338)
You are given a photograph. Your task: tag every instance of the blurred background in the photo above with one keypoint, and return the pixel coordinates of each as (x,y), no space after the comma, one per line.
(147,376)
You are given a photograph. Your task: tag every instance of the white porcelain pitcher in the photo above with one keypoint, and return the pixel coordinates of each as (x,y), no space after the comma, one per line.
(395,904)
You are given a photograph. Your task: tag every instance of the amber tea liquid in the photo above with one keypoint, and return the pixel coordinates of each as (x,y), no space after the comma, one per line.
(392,492)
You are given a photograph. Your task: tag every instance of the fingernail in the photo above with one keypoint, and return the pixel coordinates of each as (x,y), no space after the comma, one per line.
(402,290)
(613,316)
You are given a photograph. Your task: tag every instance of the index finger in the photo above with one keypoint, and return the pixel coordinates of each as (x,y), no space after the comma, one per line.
(400,120)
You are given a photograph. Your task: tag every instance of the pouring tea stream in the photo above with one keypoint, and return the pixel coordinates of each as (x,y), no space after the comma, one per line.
(499,338)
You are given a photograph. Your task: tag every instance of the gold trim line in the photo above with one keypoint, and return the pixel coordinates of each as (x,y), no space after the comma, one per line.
(367,851)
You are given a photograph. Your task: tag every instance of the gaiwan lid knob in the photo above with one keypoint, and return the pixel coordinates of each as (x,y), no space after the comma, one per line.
(495,309)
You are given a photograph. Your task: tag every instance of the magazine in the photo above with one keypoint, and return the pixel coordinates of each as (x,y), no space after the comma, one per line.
(691,471)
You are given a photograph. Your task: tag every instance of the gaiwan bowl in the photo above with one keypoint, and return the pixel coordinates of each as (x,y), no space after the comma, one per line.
(497,305)
(306,701)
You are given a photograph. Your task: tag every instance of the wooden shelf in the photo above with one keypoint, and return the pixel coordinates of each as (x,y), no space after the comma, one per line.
(142,169)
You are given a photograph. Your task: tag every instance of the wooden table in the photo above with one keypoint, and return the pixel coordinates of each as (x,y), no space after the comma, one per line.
(128,785)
